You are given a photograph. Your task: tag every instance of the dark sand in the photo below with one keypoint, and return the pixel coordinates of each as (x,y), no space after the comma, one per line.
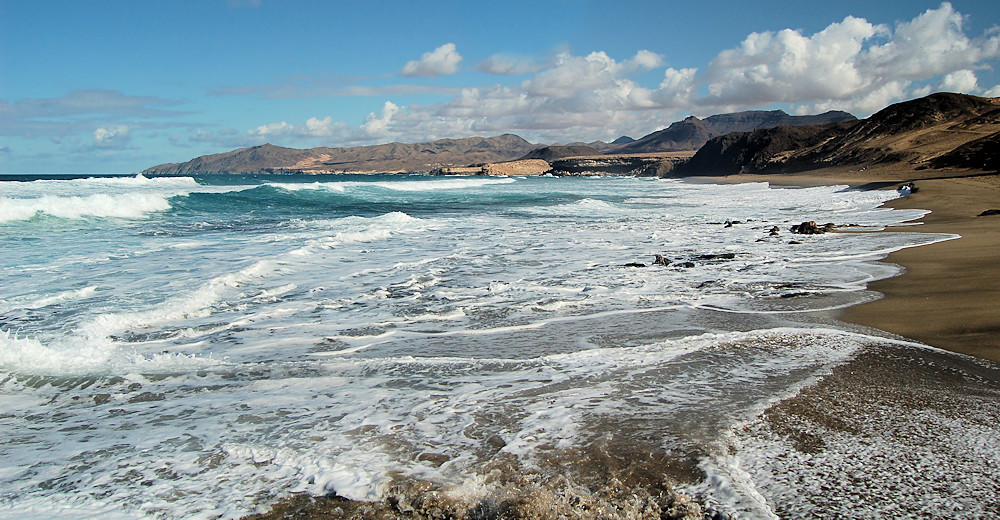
(949,296)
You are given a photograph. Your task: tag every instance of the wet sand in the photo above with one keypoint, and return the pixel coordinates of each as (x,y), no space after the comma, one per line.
(949,296)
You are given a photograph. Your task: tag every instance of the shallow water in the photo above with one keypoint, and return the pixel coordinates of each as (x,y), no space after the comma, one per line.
(200,347)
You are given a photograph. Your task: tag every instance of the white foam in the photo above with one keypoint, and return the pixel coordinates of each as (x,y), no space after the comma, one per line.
(76,356)
(350,346)
(135,197)
(460,183)
(38,302)
(98,205)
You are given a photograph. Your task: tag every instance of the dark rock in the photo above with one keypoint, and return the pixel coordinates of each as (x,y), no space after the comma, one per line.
(810,228)
(720,256)
(661,260)
(774,231)
(990,212)
(794,242)
(685,264)
(635,264)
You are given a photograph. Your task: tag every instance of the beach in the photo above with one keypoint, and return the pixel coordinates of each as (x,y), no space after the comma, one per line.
(949,295)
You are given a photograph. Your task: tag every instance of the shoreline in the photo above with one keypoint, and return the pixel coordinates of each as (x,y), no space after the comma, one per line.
(948,295)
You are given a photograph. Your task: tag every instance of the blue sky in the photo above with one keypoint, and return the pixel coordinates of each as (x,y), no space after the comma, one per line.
(118,86)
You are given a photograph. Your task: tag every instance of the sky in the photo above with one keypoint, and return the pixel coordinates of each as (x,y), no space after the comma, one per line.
(118,86)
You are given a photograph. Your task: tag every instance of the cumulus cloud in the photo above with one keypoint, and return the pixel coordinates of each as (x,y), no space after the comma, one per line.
(274,129)
(378,124)
(932,43)
(852,63)
(440,62)
(993,92)
(788,66)
(112,137)
(647,60)
(963,81)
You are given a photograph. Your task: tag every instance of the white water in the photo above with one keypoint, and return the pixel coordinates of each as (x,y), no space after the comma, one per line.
(201,357)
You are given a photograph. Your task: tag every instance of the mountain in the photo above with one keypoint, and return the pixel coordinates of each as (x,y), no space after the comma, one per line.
(551,153)
(392,157)
(692,133)
(937,131)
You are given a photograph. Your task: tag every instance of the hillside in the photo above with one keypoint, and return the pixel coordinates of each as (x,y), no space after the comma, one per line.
(392,157)
(938,131)
(692,133)
(552,153)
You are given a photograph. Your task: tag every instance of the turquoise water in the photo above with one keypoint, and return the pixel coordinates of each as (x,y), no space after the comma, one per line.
(199,347)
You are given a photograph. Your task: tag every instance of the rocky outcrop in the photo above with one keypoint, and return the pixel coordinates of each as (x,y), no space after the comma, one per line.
(519,167)
(644,165)
(812,228)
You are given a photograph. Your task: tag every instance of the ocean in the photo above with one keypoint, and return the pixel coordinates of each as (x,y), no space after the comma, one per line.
(202,347)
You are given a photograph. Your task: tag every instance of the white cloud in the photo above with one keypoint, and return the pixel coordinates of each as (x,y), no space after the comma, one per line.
(963,81)
(571,74)
(647,59)
(789,67)
(993,92)
(112,137)
(922,91)
(677,88)
(930,44)
(440,62)
(378,125)
(274,129)
(319,127)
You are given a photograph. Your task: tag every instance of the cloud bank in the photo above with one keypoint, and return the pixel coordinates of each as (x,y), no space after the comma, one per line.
(852,65)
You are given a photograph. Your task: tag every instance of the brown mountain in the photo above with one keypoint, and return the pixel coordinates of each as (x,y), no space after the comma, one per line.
(940,130)
(392,157)
(554,152)
(692,133)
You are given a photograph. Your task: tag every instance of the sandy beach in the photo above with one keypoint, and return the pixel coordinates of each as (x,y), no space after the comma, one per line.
(949,295)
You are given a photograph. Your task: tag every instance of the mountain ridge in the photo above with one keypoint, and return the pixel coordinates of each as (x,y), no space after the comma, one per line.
(692,133)
(942,130)
(384,158)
